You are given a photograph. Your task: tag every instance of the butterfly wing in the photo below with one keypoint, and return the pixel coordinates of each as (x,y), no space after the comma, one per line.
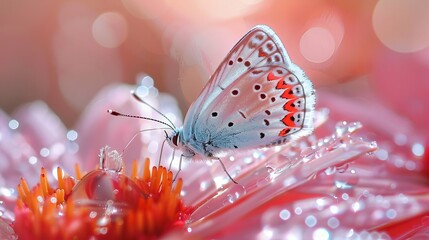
(257,97)
(259,47)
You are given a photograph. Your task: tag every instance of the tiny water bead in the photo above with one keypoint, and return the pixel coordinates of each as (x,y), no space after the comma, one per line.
(110,160)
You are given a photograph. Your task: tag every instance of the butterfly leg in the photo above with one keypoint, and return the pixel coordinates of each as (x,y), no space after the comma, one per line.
(224,169)
(180,167)
(160,152)
(172,159)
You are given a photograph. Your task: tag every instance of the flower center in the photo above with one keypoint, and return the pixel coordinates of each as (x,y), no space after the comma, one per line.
(103,204)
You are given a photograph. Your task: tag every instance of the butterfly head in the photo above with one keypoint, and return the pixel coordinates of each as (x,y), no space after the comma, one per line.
(174,138)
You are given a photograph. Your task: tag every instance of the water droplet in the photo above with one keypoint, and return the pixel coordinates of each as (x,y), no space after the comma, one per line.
(235,192)
(110,160)
(269,169)
(340,129)
(354,126)
(342,185)
(330,170)
(373,145)
(105,192)
(343,168)
(318,154)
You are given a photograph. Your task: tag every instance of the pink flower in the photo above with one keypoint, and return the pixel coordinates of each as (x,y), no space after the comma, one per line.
(325,186)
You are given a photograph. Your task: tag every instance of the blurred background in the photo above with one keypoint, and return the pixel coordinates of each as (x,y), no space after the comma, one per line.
(64,52)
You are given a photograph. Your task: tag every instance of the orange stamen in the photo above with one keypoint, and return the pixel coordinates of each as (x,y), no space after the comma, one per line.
(45,212)
(60,178)
(78,172)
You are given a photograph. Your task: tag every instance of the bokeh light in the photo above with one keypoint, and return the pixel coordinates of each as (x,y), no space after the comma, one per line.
(110,29)
(83,67)
(317,45)
(402,25)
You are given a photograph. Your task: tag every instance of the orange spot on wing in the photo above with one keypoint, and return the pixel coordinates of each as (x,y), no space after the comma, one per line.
(284,132)
(288,106)
(271,76)
(287,120)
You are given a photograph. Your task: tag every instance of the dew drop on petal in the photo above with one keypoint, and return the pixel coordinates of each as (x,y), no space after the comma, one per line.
(97,190)
(330,170)
(235,192)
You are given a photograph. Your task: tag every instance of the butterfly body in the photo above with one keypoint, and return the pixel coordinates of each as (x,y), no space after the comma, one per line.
(256,98)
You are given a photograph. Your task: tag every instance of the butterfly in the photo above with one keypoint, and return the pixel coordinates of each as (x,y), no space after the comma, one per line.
(256,98)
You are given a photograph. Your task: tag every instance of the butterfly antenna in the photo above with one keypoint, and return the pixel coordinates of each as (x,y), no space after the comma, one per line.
(115,113)
(138,98)
(138,133)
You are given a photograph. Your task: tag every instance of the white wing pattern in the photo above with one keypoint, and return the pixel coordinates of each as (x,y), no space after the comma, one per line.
(257,97)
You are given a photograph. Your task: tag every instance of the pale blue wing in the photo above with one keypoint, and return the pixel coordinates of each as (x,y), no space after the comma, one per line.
(255,98)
